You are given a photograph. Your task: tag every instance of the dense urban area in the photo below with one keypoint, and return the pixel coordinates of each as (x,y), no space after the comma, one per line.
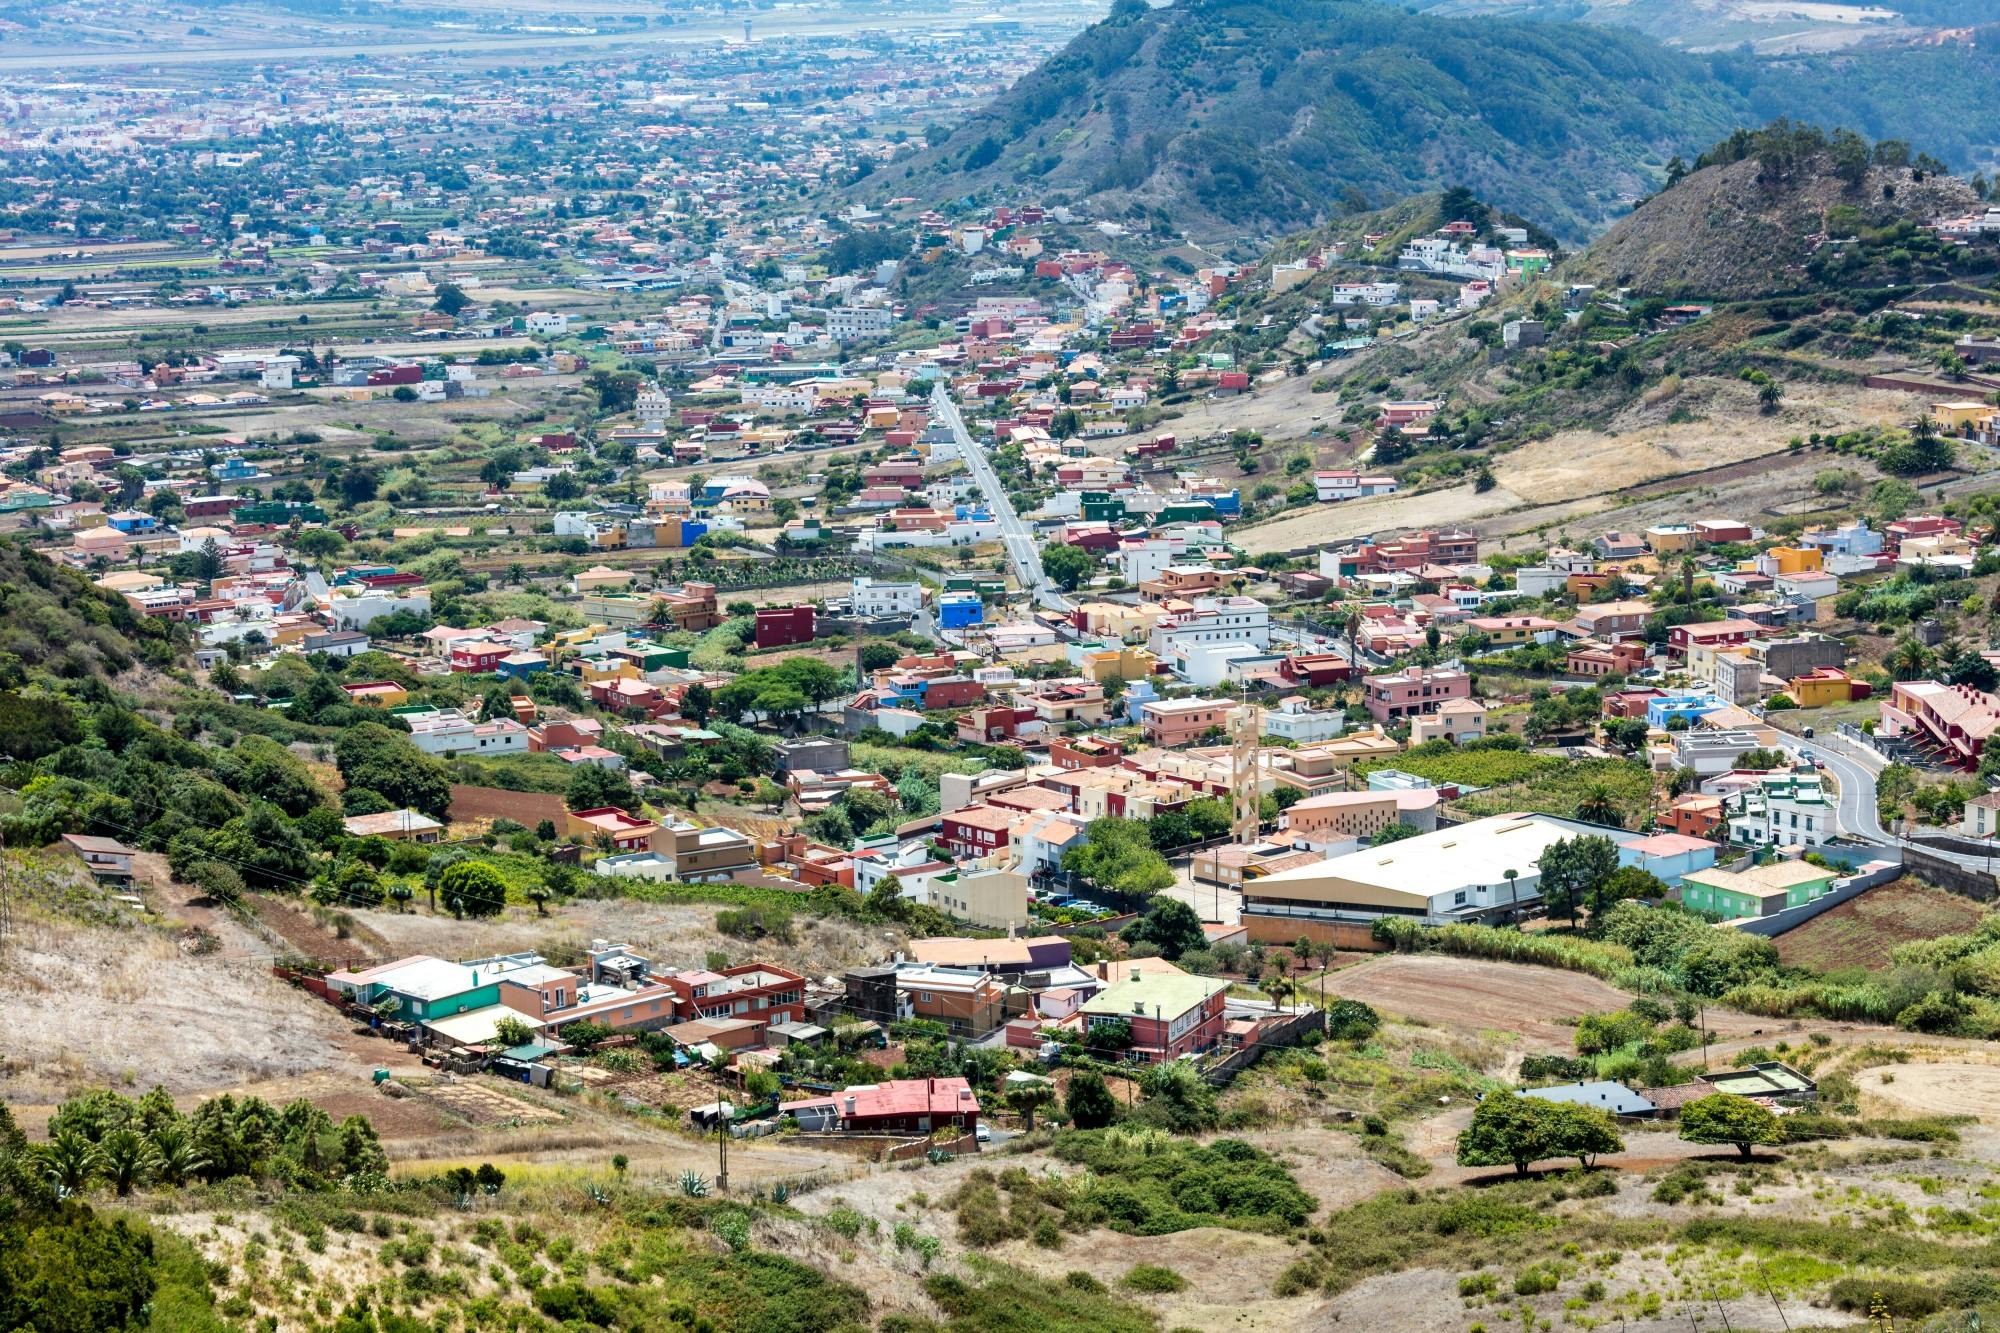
(1052,669)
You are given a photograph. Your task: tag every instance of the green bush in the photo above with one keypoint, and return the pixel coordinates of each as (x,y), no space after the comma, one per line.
(1155,1279)
(1904,1300)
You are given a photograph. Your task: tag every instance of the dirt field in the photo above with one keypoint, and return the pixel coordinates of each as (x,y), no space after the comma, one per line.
(1577,474)
(1864,932)
(1946,1088)
(1475,996)
(89,1007)
(1214,1260)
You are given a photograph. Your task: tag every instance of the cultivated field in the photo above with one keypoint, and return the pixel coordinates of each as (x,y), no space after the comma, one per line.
(1864,932)
(1478,997)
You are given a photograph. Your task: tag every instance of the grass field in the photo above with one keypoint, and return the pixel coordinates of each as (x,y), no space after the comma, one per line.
(1864,932)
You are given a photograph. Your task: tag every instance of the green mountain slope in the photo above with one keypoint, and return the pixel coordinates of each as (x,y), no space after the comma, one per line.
(1266,116)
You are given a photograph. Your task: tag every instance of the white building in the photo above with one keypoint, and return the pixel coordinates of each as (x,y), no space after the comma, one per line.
(1348,484)
(1297,721)
(879,597)
(654,406)
(449,732)
(546,323)
(1214,620)
(847,323)
(355,607)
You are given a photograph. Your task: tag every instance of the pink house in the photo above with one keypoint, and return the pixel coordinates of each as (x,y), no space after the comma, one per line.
(1170,722)
(1413,693)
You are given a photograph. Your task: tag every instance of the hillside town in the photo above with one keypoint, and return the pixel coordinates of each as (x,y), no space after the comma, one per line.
(799,668)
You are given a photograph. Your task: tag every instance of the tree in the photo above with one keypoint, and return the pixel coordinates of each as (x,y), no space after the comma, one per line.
(616,390)
(1068,565)
(510,1032)
(372,756)
(451,299)
(1089,1104)
(69,1161)
(1582,1132)
(1770,396)
(1627,733)
(563,486)
(594,788)
(1596,805)
(1026,1098)
(127,1158)
(1395,832)
(1572,869)
(319,544)
(473,888)
(1118,854)
(1724,1117)
(1170,926)
(71,1271)
(1509,1129)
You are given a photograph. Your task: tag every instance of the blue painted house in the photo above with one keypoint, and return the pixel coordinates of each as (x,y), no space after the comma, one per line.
(1687,707)
(960,610)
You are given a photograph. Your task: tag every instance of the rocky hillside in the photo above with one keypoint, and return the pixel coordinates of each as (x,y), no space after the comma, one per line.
(1741,229)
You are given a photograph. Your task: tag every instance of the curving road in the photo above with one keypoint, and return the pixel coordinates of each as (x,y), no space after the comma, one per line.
(1855,767)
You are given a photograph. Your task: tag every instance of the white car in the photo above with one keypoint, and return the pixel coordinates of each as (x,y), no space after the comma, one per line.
(982,1133)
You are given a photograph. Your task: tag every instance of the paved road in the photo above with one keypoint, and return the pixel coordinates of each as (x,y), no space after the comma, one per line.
(1015,534)
(1855,766)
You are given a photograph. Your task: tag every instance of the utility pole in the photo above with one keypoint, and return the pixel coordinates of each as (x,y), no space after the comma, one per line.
(722,1157)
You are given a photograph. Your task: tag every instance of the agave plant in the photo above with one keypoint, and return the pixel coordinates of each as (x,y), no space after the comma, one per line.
(781,1193)
(693,1185)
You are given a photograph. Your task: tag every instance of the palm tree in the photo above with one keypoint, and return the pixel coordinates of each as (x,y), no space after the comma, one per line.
(1279,987)
(401,893)
(69,1160)
(539,895)
(1909,659)
(1510,875)
(1028,1098)
(1353,630)
(1923,428)
(127,1158)
(1597,805)
(177,1160)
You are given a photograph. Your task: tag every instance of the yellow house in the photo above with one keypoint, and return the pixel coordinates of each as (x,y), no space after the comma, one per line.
(1953,418)
(1783,560)
(1126,662)
(1671,539)
(1821,688)
(607,668)
(1129,624)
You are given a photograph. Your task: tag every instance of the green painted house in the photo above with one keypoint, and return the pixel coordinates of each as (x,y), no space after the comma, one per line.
(1759,891)
(1102,507)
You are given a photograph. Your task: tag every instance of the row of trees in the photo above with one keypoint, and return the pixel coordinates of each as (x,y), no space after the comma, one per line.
(1518,1130)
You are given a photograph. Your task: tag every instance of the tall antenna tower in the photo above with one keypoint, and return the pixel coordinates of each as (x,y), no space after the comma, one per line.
(1246,727)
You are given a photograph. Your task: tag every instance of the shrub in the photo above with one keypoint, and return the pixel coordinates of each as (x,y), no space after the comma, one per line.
(1154,1278)
(1904,1300)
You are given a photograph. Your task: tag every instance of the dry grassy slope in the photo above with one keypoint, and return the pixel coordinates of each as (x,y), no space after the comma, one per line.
(1725,232)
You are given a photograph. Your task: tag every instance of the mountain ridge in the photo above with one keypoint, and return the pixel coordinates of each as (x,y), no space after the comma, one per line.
(1235,118)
